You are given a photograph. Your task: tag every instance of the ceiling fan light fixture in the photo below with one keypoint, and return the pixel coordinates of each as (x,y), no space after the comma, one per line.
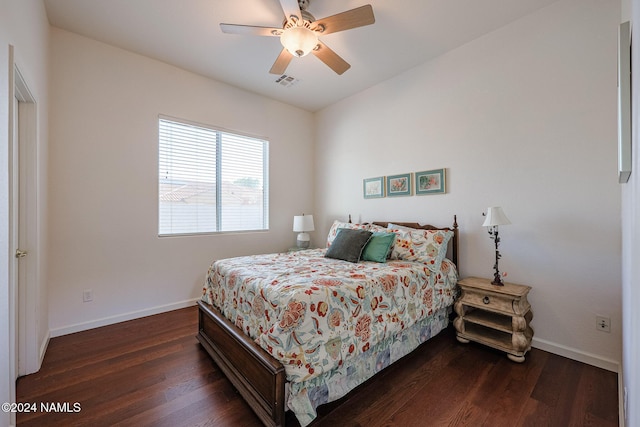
(298,40)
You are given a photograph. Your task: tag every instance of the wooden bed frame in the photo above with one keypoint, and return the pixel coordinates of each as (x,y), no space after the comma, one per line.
(258,376)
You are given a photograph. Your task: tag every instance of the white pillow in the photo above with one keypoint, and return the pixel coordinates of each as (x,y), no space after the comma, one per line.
(339,224)
(426,246)
(400,227)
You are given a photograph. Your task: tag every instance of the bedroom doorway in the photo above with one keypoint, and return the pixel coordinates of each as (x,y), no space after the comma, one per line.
(22,287)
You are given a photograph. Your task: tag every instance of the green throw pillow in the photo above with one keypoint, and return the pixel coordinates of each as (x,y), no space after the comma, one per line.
(378,247)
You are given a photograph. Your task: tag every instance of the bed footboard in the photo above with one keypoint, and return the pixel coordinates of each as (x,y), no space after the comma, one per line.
(258,376)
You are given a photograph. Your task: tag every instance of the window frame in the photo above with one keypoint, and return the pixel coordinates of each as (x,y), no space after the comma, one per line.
(265,199)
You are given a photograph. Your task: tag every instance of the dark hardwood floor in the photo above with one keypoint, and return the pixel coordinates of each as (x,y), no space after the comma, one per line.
(153,372)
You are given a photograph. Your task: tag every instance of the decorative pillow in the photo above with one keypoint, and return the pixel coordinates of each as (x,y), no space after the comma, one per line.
(426,246)
(378,247)
(374,228)
(333,231)
(348,244)
(400,227)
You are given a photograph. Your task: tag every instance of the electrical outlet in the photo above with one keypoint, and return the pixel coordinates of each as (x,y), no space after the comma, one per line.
(87,295)
(603,324)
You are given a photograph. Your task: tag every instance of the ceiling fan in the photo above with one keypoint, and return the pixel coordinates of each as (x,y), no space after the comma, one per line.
(300,31)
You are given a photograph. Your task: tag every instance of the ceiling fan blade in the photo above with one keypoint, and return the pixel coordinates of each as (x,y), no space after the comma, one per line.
(332,59)
(282,62)
(250,30)
(290,7)
(353,18)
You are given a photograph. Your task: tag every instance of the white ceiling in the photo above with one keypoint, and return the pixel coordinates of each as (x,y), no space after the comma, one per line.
(186,33)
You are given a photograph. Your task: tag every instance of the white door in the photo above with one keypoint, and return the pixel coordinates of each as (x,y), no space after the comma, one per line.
(13,240)
(23,308)
(13,286)
(17,249)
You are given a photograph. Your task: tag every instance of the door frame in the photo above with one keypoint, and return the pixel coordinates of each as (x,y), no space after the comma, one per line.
(23,287)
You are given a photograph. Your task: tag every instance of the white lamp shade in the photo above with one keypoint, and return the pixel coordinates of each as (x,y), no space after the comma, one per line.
(299,41)
(495,216)
(303,223)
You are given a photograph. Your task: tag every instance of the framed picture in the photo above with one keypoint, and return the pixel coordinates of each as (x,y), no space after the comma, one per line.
(399,185)
(373,188)
(430,182)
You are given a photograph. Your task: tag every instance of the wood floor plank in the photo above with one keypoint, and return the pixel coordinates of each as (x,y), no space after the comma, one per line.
(153,372)
(445,393)
(590,405)
(410,376)
(471,415)
(536,414)
(519,380)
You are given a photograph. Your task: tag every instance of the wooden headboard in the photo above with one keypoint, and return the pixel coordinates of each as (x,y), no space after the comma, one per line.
(452,250)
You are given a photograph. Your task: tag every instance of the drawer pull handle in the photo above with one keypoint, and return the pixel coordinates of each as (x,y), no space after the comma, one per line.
(485,300)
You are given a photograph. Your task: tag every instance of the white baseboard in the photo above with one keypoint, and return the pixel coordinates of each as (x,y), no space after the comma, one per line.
(78,327)
(580,356)
(43,348)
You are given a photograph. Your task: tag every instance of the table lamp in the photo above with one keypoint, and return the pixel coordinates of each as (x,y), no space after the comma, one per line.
(495,217)
(301,225)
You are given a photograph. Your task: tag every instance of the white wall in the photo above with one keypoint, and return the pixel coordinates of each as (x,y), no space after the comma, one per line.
(631,240)
(7,384)
(105,104)
(23,24)
(523,118)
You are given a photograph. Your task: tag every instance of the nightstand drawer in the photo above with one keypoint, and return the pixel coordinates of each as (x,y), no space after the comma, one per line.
(489,301)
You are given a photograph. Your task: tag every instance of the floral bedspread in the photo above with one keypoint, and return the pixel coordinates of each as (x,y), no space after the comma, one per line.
(315,314)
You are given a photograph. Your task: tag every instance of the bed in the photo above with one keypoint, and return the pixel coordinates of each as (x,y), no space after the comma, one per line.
(296,330)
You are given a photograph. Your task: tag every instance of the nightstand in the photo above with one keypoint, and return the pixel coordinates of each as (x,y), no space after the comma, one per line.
(496,316)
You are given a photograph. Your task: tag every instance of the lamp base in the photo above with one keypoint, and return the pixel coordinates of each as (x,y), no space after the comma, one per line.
(493,232)
(303,241)
(497,281)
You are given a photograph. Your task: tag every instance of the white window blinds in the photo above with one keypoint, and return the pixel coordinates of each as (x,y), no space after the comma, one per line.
(210,181)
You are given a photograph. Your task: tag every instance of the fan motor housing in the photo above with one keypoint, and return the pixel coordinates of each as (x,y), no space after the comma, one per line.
(307,19)
(304,4)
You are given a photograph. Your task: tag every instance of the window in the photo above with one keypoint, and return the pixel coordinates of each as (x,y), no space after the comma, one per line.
(210,181)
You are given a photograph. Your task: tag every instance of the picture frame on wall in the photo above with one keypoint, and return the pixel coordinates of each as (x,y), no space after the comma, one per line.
(373,188)
(430,182)
(399,185)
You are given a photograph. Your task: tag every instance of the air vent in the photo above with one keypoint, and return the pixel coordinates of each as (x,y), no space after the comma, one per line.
(287,81)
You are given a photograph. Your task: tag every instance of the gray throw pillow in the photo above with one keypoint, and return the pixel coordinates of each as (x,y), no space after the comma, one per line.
(348,244)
